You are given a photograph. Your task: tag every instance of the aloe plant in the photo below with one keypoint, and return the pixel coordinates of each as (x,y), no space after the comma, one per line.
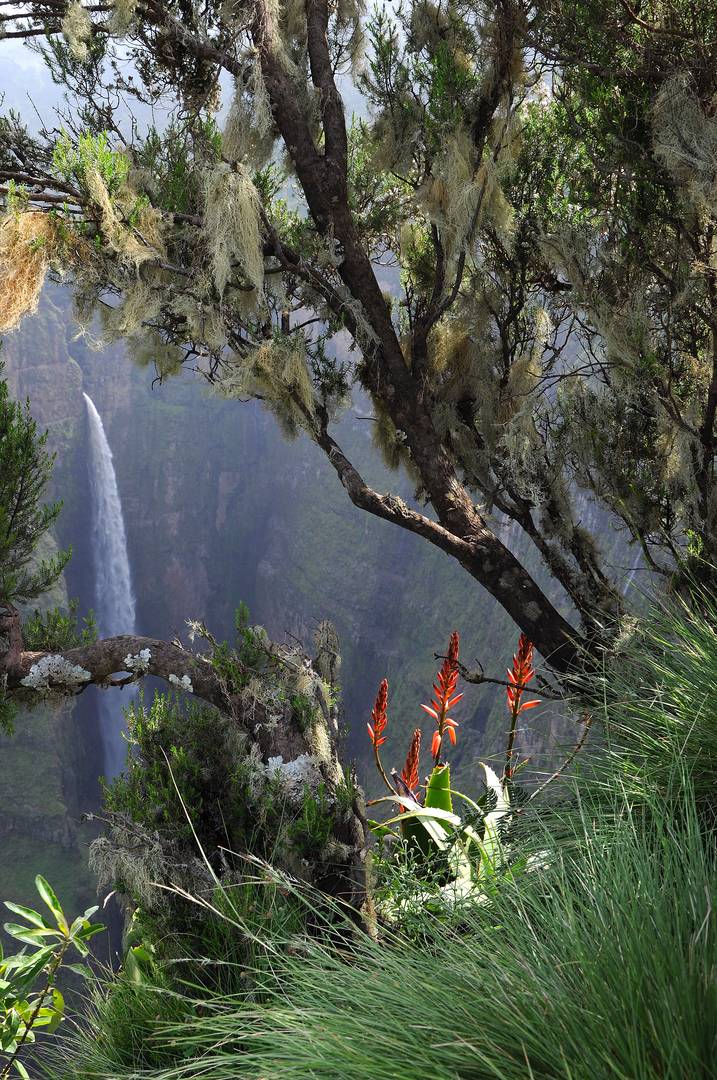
(425,817)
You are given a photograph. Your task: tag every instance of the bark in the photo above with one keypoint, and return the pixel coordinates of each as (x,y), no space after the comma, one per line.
(10,640)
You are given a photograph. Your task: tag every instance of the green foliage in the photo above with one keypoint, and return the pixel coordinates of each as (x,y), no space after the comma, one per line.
(171,161)
(598,963)
(8,709)
(24,1009)
(312,827)
(183,753)
(247,657)
(73,160)
(592,956)
(447,859)
(56,631)
(25,471)
(191,785)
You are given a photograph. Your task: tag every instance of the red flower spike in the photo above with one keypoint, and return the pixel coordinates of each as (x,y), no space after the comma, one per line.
(444,698)
(519,676)
(379,716)
(410,769)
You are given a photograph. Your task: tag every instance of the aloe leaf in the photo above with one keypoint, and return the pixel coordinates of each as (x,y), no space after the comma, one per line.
(438,789)
(492,849)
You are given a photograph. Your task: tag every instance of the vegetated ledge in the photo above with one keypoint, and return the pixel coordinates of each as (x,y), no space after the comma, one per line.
(283,741)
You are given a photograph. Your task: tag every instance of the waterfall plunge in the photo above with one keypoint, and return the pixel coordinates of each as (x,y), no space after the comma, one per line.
(114,599)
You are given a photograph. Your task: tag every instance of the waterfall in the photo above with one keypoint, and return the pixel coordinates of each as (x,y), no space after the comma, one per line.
(114,599)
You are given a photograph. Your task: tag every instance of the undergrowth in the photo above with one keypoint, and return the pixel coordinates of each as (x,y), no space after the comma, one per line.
(596,961)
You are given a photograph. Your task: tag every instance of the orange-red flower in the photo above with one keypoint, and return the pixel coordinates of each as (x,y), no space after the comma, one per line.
(410,769)
(379,716)
(444,698)
(518,679)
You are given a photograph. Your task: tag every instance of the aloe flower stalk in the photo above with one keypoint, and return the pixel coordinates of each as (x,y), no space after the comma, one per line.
(444,698)
(379,715)
(409,775)
(518,678)
(410,769)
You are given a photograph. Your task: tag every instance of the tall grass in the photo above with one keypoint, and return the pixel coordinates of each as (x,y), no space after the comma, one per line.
(602,964)
(657,702)
(599,963)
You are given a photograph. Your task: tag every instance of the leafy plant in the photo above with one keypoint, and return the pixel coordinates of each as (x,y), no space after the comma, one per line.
(600,965)
(453,856)
(55,630)
(24,1009)
(25,470)
(74,161)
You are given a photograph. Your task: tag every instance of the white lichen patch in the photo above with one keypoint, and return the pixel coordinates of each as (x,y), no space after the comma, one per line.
(295,776)
(138,662)
(55,672)
(183,682)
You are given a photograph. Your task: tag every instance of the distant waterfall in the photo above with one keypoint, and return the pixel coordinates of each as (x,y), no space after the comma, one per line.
(114,599)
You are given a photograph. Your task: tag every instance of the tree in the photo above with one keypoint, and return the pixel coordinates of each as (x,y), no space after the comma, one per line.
(534,182)
(25,469)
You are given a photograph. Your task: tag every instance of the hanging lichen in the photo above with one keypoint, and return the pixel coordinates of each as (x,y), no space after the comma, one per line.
(27,245)
(685,142)
(123,15)
(77,30)
(232,227)
(140,303)
(248,130)
(277,372)
(130,227)
(452,194)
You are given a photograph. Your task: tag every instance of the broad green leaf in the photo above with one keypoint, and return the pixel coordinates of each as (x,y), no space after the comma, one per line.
(29,934)
(48,895)
(137,961)
(29,967)
(79,969)
(414,808)
(33,917)
(435,831)
(89,931)
(423,812)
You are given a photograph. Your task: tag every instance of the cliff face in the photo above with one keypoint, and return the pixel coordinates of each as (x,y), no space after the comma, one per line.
(219,508)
